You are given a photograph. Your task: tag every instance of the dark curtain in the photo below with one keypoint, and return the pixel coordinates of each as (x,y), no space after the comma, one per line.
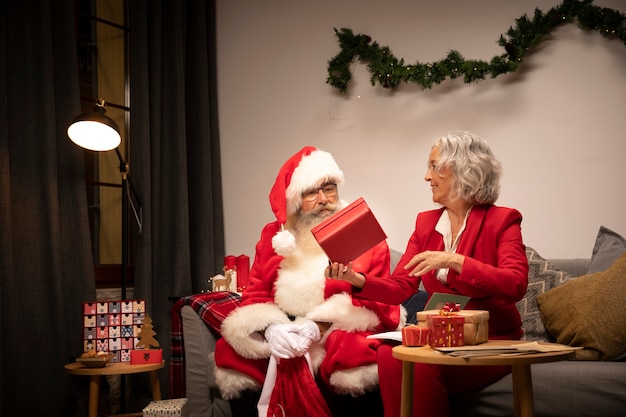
(175,155)
(46,266)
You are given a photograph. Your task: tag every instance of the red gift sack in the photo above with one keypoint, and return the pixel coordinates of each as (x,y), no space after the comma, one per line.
(295,392)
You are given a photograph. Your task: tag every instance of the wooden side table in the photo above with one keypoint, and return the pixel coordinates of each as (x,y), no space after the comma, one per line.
(116,368)
(520,364)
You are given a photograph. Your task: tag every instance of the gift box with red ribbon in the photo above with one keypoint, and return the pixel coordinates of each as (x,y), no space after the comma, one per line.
(475,327)
(445,330)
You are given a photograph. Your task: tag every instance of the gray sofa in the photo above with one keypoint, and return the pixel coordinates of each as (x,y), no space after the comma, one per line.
(569,388)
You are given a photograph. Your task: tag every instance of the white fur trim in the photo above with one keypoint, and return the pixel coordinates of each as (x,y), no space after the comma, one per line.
(340,311)
(403,315)
(355,381)
(244,326)
(284,242)
(300,283)
(312,169)
(232,383)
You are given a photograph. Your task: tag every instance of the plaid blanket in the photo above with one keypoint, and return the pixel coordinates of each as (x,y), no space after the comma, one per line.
(212,307)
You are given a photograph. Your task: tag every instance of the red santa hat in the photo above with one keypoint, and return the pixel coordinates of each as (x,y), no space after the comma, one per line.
(308,168)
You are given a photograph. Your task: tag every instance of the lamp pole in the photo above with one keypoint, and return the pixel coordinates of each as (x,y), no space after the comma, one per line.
(124,172)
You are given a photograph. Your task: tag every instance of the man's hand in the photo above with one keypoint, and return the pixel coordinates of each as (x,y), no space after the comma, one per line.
(283,340)
(338,270)
(307,333)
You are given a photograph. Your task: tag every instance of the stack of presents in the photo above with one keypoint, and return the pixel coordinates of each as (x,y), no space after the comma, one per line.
(447,327)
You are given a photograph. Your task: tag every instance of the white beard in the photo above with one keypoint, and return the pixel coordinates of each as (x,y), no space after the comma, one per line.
(301,281)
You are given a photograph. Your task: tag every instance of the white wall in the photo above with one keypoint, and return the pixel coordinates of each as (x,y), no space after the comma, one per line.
(557,124)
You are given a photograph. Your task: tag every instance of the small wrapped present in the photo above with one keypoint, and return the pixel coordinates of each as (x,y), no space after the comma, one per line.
(445,330)
(165,408)
(143,356)
(475,328)
(413,335)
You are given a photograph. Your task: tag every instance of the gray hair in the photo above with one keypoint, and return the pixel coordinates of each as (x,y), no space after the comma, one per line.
(476,171)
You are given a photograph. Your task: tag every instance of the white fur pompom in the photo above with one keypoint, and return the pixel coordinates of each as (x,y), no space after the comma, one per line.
(284,243)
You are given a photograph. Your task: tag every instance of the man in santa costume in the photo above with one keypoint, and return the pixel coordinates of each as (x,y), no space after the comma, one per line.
(290,307)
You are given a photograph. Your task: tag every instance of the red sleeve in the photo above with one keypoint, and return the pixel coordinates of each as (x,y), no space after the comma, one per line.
(374,262)
(401,286)
(264,270)
(498,266)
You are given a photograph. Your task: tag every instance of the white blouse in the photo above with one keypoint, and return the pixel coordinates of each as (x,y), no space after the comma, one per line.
(444,227)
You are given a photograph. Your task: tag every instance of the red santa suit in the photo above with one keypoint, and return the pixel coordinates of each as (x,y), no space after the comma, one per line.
(287,284)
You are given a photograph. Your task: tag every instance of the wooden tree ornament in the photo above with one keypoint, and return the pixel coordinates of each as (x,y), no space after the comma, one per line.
(146,335)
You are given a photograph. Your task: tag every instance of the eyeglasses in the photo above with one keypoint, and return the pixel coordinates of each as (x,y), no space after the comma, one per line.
(329,190)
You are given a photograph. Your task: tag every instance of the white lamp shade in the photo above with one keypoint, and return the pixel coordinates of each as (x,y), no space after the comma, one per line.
(99,133)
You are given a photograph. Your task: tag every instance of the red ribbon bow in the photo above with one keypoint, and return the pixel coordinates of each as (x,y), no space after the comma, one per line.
(450,308)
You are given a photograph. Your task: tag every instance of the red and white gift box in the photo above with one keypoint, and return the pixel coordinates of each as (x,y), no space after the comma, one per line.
(113,326)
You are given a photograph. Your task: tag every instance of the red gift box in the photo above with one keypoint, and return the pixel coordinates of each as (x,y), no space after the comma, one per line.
(413,335)
(446,330)
(141,356)
(475,329)
(345,235)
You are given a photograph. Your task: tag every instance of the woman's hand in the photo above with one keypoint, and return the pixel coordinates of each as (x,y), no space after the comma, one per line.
(338,270)
(430,260)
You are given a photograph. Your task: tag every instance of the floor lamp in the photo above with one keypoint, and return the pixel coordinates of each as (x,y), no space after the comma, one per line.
(98,132)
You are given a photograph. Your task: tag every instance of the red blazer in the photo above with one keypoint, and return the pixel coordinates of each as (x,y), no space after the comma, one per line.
(495,271)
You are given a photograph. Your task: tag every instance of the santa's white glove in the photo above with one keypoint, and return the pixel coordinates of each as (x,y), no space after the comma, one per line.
(307,333)
(282,340)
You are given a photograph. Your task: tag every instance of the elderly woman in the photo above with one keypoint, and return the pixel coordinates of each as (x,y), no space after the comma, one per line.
(470,247)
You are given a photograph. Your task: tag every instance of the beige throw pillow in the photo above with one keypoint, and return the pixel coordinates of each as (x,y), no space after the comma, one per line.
(589,312)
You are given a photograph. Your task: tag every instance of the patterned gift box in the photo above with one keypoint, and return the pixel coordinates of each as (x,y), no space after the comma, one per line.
(139,306)
(138,318)
(114,307)
(102,332)
(475,328)
(102,307)
(114,319)
(89,333)
(102,345)
(413,335)
(445,330)
(89,309)
(127,319)
(102,320)
(89,345)
(115,331)
(126,306)
(115,343)
(89,321)
(113,326)
(128,343)
(176,407)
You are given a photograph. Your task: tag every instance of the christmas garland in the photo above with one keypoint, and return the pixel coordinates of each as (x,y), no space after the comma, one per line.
(390,71)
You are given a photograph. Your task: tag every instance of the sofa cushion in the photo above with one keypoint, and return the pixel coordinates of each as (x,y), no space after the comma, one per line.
(542,277)
(608,247)
(589,312)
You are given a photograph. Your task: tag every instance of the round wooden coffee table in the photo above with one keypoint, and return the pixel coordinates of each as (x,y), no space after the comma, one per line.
(520,364)
(115,368)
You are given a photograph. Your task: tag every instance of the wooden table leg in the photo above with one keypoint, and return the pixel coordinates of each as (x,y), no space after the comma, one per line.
(156,386)
(523,391)
(94,393)
(406,395)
